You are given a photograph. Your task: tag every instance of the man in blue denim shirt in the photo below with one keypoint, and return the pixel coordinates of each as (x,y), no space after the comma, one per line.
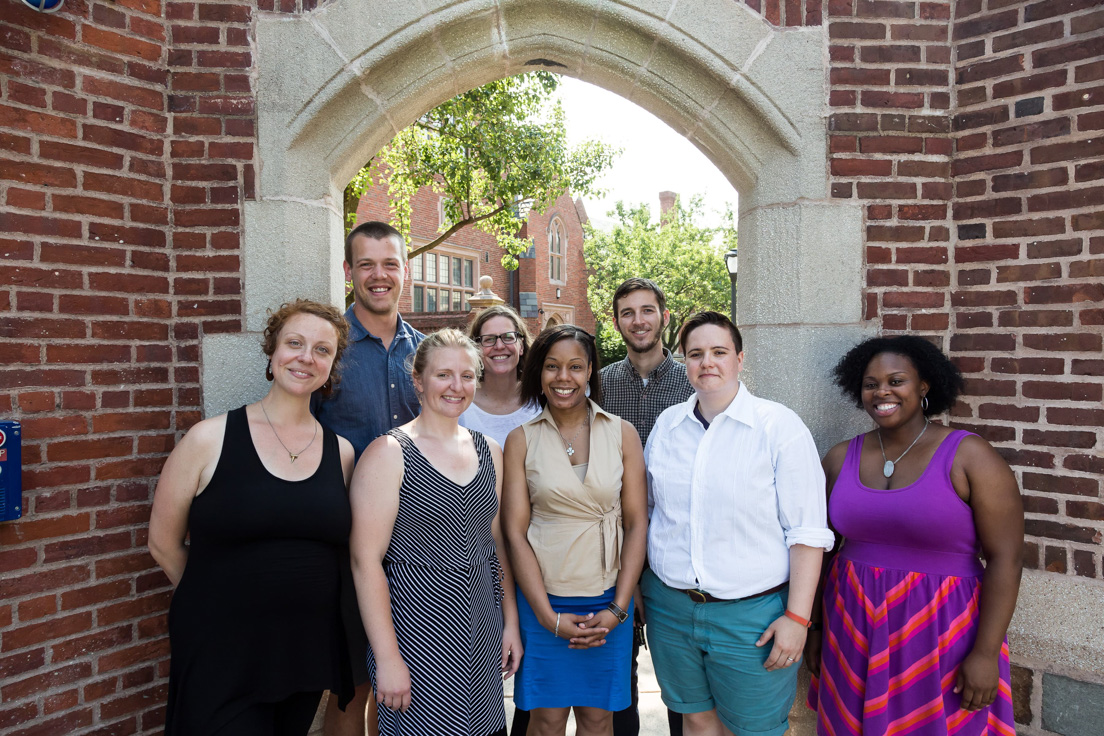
(376,392)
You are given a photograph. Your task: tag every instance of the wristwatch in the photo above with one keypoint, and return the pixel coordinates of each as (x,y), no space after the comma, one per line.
(618,611)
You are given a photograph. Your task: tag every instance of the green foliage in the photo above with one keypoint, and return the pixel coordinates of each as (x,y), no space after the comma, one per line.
(494,153)
(677,253)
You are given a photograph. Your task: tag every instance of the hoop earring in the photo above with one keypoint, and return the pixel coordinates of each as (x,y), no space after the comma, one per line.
(268,370)
(924,403)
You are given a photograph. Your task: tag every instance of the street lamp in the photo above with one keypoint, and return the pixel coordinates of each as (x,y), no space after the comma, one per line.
(731,264)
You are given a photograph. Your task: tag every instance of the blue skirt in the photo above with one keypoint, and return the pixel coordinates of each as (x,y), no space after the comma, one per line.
(553,676)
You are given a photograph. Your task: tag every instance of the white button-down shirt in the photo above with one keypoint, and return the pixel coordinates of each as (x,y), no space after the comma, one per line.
(726,503)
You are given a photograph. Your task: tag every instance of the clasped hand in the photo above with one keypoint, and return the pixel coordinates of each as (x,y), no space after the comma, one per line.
(586,631)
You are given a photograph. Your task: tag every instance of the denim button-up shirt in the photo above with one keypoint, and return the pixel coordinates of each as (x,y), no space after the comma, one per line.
(376,392)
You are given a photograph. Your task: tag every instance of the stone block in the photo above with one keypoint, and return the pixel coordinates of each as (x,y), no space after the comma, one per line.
(627,42)
(730,30)
(803,264)
(233,371)
(1071,707)
(792,364)
(1073,640)
(354,26)
(292,249)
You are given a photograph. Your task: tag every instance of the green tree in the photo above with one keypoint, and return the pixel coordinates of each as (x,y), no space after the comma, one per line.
(494,153)
(684,257)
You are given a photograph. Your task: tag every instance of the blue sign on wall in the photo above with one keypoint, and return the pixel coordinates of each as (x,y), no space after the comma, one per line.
(44,6)
(11,471)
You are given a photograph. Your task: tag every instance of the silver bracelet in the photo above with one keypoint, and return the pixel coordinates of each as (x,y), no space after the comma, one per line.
(557,631)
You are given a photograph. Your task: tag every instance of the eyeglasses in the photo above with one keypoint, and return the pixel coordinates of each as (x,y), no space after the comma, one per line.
(488,341)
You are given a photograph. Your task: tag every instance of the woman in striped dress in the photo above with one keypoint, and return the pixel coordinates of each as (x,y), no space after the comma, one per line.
(914,626)
(437,601)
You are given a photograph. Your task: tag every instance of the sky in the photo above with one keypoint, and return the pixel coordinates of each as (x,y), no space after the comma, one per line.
(654,158)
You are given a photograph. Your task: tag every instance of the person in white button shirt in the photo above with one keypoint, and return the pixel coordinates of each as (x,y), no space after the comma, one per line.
(738,527)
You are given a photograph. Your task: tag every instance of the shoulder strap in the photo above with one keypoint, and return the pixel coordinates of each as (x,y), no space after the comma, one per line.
(946,452)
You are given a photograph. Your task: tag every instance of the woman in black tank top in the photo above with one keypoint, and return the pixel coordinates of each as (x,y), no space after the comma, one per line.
(255,623)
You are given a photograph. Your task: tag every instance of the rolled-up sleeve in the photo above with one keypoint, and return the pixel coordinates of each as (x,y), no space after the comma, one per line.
(799,482)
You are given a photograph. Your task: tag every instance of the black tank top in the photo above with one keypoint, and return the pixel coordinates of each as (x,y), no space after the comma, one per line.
(256,616)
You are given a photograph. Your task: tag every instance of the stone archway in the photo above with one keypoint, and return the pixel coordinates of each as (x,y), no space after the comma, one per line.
(336,84)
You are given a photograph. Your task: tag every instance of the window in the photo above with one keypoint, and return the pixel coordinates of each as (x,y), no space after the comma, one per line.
(451,268)
(557,243)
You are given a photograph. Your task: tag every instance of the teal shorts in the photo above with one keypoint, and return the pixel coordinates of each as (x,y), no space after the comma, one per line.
(705,658)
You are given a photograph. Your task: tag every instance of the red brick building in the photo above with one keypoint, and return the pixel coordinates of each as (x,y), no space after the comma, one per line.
(969,133)
(548,287)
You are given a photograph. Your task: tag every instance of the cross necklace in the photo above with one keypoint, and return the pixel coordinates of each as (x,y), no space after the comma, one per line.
(569,444)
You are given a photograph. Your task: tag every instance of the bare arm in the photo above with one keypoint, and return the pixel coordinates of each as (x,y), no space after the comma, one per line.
(511,634)
(832,465)
(634,521)
(523,561)
(348,458)
(789,636)
(186,473)
(998,516)
(374,495)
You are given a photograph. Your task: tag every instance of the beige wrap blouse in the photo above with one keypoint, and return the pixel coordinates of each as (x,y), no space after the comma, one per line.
(575,526)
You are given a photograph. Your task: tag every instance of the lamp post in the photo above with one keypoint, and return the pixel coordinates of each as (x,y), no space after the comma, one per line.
(731,264)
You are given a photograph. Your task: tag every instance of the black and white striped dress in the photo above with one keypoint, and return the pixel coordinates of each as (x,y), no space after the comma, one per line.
(443,577)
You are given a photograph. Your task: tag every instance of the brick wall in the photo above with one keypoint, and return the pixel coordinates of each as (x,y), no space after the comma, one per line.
(1028,286)
(125,136)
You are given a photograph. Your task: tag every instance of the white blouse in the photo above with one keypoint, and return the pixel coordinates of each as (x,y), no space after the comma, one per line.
(726,503)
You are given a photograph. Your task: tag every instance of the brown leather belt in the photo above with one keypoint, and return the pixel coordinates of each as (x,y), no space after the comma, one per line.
(700,596)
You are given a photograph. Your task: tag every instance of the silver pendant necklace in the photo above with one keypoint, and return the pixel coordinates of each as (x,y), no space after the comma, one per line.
(292,455)
(888,468)
(569,444)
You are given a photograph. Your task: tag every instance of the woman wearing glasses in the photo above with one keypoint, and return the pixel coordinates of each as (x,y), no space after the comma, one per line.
(498,408)
(576,518)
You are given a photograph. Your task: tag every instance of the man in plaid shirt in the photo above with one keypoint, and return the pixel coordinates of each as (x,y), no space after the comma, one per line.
(648,380)
(638,389)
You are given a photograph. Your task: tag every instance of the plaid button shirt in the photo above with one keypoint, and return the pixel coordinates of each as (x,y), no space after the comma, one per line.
(624,392)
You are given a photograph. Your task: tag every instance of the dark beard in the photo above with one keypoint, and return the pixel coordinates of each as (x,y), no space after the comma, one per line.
(647,348)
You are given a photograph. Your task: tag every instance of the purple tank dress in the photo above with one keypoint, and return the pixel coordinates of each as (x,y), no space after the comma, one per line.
(901,609)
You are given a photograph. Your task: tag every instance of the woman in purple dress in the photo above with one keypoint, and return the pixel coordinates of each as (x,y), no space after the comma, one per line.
(914,626)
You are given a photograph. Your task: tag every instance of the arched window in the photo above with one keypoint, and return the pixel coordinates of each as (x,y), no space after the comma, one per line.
(557,244)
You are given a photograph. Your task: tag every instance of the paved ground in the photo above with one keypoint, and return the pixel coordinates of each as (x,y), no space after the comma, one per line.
(653,714)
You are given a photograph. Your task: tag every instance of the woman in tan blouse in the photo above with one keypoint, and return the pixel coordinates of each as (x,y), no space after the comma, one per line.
(575,505)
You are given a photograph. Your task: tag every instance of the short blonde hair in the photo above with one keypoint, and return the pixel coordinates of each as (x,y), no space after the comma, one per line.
(448,337)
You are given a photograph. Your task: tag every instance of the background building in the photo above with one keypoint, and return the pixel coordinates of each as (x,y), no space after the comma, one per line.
(549,286)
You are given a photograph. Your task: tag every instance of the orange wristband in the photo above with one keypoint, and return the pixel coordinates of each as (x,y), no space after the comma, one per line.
(794,617)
